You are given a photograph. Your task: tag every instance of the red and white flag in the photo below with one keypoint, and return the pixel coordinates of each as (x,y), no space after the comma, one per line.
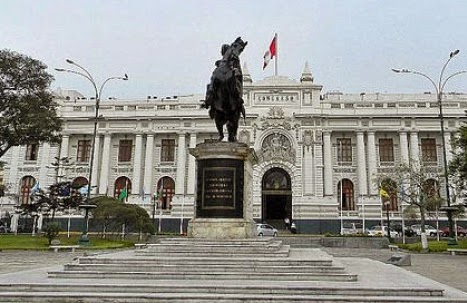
(271,53)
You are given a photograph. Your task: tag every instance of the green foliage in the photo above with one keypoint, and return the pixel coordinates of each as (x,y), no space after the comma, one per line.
(112,214)
(52,229)
(26,242)
(433,246)
(27,110)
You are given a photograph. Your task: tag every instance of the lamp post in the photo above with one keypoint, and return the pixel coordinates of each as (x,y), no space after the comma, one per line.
(98,93)
(439,87)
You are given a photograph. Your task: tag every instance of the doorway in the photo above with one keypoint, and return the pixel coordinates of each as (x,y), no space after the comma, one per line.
(276,197)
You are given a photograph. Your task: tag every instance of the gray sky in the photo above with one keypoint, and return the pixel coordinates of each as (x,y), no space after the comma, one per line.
(169,47)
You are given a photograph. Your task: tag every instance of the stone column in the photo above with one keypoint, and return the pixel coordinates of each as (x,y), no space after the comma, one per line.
(327,147)
(190,187)
(44,162)
(361,164)
(181,162)
(414,148)
(149,163)
(404,147)
(136,186)
(63,153)
(104,179)
(372,162)
(95,172)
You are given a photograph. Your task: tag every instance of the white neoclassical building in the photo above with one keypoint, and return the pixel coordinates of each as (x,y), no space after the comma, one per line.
(311,145)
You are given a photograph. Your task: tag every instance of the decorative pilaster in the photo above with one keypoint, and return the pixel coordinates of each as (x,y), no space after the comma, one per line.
(307,170)
(135,189)
(104,178)
(447,139)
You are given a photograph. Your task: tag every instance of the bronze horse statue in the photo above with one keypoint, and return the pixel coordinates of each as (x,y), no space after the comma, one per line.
(224,93)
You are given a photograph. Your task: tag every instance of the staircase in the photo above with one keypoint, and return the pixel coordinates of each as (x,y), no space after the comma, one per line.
(203,270)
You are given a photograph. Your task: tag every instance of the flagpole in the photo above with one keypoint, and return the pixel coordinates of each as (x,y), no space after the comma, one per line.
(275,57)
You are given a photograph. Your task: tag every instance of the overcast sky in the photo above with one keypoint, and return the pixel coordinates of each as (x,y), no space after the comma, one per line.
(169,47)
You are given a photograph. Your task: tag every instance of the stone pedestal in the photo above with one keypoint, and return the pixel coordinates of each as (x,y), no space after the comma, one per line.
(224,205)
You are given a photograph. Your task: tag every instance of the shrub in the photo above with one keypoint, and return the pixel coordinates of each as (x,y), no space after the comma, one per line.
(52,230)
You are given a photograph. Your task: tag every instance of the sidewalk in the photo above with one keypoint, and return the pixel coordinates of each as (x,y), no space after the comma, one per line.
(443,268)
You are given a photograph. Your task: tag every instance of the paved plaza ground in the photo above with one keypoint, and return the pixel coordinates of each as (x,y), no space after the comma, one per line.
(443,268)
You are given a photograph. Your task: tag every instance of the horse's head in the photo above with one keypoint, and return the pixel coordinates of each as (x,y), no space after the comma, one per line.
(238,46)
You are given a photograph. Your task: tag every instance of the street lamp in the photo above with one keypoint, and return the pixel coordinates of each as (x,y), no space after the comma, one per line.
(439,87)
(84,73)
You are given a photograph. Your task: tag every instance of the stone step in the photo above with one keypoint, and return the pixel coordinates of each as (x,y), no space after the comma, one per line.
(182,247)
(249,241)
(244,254)
(83,297)
(282,288)
(194,268)
(182,261)
(180,275)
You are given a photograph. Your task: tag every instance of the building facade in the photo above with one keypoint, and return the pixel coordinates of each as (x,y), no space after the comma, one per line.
(317,152)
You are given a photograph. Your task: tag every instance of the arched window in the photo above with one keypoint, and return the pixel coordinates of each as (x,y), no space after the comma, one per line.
(276,179)
(79,181)
(391,200)
(347,198)
(120,184)
(165,192)
(27,183)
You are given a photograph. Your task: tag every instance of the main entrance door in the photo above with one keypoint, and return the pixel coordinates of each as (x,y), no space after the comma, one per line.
(276,197)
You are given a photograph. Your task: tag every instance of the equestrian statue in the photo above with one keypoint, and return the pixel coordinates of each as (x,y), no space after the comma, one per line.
(224,93)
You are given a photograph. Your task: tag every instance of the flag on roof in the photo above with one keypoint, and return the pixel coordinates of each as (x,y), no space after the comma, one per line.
(270,53)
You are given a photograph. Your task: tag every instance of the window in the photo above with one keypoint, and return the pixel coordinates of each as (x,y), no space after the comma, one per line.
(27,183)
(124,150)
(121,184)
(346,200)
(344,150)
(429,153)
(168,150)
(32,151)
(84,150)
(386,150)
(165,192)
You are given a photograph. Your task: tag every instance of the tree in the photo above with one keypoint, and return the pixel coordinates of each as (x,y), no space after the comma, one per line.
(458,164)
(27,110)
(416,185)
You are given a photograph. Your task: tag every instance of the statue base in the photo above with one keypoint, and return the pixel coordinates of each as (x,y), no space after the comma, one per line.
(224,206)
(221,228)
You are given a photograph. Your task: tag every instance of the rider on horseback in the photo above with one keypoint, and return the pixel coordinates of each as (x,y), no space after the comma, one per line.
(224,93)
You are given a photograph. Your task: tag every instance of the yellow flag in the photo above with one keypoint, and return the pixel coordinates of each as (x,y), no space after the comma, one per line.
(383,193)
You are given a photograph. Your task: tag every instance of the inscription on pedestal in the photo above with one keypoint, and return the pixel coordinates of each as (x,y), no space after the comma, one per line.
(220,188)
(218,192)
